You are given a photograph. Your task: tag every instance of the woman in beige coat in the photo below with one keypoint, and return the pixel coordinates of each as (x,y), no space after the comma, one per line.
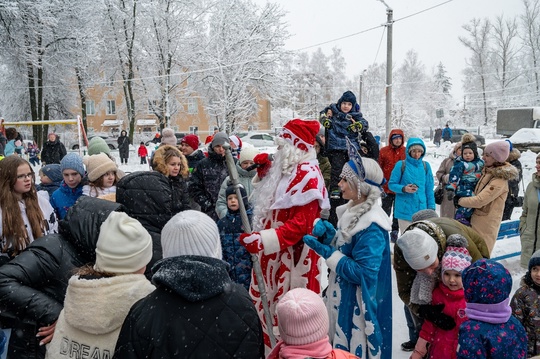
(529,224)
(491,192)
(448,209)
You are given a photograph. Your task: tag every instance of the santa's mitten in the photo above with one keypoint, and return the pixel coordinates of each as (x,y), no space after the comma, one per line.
(420,349)
(323,250)
(262,160)
(324,230)
(252,242)
(434,313)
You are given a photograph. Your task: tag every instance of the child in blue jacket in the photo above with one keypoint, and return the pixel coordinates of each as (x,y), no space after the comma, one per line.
(71,187)
(230,227)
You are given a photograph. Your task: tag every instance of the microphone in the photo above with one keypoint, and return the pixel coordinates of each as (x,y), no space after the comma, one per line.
(257,165)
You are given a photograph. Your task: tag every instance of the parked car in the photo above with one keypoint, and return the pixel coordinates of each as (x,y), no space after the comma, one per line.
(458,132)
(259,139)
(110,141)
(178,135)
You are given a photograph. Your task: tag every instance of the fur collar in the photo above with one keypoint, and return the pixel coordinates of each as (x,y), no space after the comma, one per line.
(505,172)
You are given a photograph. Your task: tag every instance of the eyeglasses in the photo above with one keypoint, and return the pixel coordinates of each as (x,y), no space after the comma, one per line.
(25,176)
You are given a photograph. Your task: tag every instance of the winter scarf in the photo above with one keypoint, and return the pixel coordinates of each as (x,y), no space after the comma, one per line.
(422,287)
(497,313)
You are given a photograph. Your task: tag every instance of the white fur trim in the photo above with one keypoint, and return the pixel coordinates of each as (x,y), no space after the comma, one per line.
(375,215)
(334,259)
(270,241)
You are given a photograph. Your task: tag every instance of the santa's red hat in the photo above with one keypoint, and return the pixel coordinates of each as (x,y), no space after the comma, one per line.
(301,133)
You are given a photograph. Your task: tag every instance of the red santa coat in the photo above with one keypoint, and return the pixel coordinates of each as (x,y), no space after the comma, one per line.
(286,262)
(444,342)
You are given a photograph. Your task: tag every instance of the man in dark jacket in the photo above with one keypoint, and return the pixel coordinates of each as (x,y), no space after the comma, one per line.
(196,310)
(33,284)
(53,150)
(208,175)
(123,147)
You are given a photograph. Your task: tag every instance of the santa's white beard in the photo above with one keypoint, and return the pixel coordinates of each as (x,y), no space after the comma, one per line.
(264,193)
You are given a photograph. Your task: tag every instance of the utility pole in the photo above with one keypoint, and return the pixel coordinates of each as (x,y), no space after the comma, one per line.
(389,23)
(360,89)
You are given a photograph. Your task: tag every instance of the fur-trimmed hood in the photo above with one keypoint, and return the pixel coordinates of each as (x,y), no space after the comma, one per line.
(514,155)
(505,172)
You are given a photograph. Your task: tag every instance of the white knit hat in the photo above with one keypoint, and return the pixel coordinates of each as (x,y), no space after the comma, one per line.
(98,165)
(168,137)
(191,233)
(123,246)
(419,248)
(247,154)
(302,317)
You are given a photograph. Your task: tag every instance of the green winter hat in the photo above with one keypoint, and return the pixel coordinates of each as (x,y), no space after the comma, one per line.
(98,145)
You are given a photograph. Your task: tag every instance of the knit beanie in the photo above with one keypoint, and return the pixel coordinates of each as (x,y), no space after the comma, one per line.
(191,140)
(232,190)
(457,256)
(123,246)
(98,165)
(53,171)
(219,139)
(468,141)
(347,96)
(72,161)
(486,282)
(499,150)
(302,317)
(248,154)
(419,248)
(98,145)
(396,135)
(168,137)
(424,214)
(535,260)
(191,233)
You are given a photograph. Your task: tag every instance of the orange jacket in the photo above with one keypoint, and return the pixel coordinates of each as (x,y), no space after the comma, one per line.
(390,155)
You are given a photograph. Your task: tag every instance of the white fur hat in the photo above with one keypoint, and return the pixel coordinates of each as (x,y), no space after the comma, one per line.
(168,137)
(191,233)
(419,248)
(123,246)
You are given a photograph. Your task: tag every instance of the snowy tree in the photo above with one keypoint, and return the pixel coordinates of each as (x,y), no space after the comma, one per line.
(530,22)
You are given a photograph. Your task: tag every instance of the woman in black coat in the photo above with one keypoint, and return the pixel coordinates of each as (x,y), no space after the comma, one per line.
(33,284)
(123,147)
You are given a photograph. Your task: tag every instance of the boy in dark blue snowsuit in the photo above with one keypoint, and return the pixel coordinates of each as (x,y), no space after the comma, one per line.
(230,227)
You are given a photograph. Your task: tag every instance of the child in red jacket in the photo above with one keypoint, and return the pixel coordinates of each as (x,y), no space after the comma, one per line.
(143,153)
(449,293)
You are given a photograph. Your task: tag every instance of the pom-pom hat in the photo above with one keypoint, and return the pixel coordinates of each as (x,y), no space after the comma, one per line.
(191,140)
(301,133)
(168,137)
(98,165)
(456,257)
(302,317)
(499,150)
(191,233)
(419,248)
(123,246)
(72,161)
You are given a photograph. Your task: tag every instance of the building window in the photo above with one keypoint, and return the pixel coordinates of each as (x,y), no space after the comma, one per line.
(193,106)
(193,129)
(90,107)
(111,107)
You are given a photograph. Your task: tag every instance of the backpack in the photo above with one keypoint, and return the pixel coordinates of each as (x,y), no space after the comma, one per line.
(404,162)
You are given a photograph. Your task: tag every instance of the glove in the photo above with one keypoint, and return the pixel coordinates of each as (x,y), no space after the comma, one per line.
(252,242)
(450,195)
(456,201)
(323,250)
(264,164)
(324,230)
(434,314)
(327,123)
(355,127)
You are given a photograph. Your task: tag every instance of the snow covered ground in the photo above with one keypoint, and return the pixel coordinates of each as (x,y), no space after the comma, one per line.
(434,156)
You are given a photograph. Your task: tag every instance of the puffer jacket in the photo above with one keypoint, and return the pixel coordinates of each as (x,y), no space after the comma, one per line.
(338,129)
(244,178)
(526,308)
(206,180)
(33,284)
(488,201)
(149,198)
(194,158)
(439,229)
(529,222)
(53,152)
(416,172)
(64,197)
(390,155)
(196,311)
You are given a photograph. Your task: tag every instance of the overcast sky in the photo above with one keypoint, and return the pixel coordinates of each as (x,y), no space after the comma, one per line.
(433,34)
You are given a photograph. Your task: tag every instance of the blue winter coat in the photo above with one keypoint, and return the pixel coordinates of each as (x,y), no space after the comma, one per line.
(361,268)
(239,259)
(408,204)
(338,131)
(447,133)
(10,148)
(64,197)
(464,176)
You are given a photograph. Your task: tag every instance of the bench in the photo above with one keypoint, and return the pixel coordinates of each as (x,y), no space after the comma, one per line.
(508,229)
